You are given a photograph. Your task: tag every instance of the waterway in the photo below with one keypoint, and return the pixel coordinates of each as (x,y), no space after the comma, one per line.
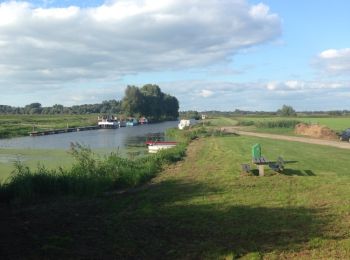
(52,151)
(95,139)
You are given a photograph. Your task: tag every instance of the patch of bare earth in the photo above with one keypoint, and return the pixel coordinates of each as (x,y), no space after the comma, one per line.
(317,131)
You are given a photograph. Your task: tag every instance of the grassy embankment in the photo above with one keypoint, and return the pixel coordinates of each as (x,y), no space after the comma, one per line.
(20,125)
(203,208)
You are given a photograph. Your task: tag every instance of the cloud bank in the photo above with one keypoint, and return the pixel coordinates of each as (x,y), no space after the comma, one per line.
(334,61)
(45,46)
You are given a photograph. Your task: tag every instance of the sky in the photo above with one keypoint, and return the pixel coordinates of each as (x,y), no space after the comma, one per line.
(210,54)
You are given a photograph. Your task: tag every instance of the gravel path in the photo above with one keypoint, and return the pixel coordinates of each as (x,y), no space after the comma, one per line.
(338,144)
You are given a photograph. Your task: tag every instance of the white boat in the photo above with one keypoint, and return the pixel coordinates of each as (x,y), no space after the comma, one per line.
(154,147)
(108,122)
(184,123)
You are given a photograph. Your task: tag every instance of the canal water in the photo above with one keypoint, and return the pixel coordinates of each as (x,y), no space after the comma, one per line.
(95,139)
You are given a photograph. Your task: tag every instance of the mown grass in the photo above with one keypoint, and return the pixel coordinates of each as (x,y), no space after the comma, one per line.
(203,208)
(20,125)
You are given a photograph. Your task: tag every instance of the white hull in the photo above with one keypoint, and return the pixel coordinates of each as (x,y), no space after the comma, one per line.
(156,148)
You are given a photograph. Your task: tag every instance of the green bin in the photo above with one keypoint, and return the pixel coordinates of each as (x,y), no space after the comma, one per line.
(256,151)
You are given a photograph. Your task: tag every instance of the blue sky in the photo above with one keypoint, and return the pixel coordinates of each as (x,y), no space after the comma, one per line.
(212,55)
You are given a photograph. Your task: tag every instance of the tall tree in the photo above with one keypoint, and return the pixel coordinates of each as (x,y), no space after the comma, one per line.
(132,102)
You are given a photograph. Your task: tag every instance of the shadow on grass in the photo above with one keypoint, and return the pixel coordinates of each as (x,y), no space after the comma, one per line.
(177,229)
(170,220)
(291,172)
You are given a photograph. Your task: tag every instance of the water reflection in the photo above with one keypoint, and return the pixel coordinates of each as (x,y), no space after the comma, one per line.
(103,138)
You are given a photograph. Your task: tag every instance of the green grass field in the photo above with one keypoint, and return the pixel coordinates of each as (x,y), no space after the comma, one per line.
(20,125)
(203,208)
(335,123)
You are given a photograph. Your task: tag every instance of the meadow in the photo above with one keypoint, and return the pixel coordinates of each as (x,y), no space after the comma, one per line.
(203,207)
(21,125)
(278,125)
(337,124)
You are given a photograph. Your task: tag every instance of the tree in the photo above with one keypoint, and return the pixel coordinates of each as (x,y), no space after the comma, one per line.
(133,101)
(33,108)
(286,111)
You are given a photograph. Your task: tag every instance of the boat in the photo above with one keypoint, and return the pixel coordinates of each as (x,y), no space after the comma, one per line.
(122,123)
(184,123)
(155,146)
(132,122)
(108,122)
(143,120)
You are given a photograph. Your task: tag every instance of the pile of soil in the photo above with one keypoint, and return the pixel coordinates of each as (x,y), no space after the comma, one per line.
(317,131)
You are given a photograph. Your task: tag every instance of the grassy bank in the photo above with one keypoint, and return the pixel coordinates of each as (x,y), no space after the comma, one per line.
(20,125)
(202,208)
(90,174)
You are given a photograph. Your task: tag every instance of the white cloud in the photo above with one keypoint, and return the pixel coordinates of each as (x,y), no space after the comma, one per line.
(334,61)
(206,93)
(305,86)
(45,46)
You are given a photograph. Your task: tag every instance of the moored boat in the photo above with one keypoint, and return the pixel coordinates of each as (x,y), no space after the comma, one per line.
(143,120)
(155,146)
(132,122)
(108,122)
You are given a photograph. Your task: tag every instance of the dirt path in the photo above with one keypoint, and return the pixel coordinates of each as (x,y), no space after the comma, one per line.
(338,144)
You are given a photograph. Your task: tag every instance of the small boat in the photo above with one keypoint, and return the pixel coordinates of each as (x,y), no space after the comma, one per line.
(143,120)
(155,146)
(108,122)
(122,123)
(132,122)
(184,123)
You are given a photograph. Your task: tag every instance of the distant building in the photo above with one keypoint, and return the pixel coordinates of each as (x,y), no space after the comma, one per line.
(204,116)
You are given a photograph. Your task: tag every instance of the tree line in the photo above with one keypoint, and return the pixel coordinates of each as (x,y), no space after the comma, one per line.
(110,106)
(148,101)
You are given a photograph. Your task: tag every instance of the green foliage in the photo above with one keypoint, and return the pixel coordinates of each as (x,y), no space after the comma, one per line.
(190,115)
(108,106)
(282,123)
(277,124)
(246,122)
(89,175)
(151,102)
(286,111)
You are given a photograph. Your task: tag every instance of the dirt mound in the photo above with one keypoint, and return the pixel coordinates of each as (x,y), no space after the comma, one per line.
(318,131)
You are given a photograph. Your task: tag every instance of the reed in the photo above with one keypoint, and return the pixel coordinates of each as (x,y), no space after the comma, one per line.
(90,174)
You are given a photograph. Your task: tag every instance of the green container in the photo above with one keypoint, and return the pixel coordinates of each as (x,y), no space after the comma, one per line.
(256,151)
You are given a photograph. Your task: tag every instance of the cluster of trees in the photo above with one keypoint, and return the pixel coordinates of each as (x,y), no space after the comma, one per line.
(151,102)
(148,101)
(111,106)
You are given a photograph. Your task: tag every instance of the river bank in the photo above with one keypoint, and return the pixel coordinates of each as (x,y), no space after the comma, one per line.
(21,125)
(301,213)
